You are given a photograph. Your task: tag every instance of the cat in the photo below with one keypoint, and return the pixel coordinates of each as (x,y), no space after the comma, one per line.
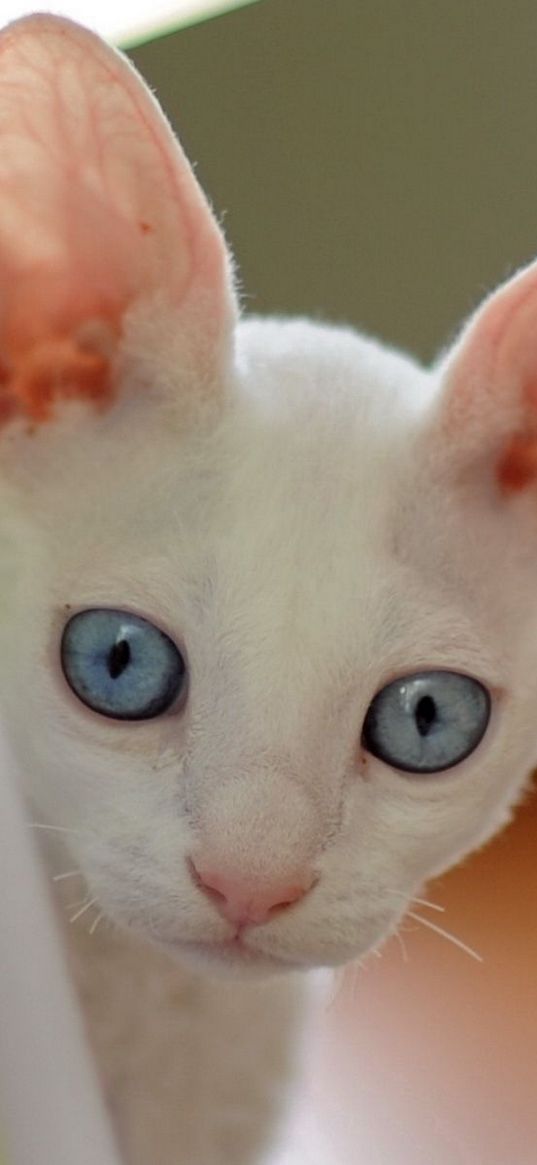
(267,619)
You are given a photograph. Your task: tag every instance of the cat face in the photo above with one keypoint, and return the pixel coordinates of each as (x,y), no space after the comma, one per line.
(267,617)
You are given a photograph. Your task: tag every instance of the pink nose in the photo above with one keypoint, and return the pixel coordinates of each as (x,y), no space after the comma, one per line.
(245,904)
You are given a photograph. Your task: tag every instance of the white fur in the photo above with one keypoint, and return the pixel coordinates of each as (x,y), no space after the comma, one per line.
(307,534)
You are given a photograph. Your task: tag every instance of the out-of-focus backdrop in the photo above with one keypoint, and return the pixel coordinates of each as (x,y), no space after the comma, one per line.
(377,163)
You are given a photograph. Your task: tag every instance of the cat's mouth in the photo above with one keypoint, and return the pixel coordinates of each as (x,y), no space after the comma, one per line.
(231,954)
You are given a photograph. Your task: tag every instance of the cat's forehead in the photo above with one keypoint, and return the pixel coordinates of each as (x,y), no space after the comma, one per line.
(318,413)
(326,373)
(315,449)
(295,492)
(315,423)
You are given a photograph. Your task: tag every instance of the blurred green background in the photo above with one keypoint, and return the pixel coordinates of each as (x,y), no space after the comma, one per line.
(375,161)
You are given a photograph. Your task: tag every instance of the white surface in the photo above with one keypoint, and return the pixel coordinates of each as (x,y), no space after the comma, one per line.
(50,1108)
(123,20)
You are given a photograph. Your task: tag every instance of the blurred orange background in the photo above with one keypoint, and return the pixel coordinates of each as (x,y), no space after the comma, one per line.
(430,1058)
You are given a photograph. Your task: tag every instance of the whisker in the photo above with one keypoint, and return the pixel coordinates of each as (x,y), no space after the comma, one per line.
(96,922)
(345,981)
(356,966)
(353,984)
(57,828)
(445,934)
(83,909)
(68,874)
(430,905)
(420,901)
(337,985)
(402,944)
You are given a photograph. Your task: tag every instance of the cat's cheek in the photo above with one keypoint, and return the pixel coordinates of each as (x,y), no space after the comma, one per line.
(344,925)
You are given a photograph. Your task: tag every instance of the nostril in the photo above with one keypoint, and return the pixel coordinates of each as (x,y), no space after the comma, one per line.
(211,891)
(292,895)
(280,907)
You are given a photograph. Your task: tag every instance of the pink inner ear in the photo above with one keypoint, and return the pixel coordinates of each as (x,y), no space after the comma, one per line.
(516,358)
(517,467)
(98,207)
(493,389)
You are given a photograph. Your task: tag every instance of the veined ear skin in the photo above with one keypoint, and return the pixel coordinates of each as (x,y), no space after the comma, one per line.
(100,212)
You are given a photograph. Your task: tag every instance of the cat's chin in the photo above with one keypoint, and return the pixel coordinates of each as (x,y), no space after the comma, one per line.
(230,958)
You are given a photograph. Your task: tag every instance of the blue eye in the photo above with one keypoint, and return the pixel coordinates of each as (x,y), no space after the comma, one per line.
(121,665)
(427,722)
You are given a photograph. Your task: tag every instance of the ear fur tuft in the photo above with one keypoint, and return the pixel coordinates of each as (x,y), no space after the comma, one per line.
(56,369)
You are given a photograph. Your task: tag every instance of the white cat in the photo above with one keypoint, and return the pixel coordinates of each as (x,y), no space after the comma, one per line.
(268,619)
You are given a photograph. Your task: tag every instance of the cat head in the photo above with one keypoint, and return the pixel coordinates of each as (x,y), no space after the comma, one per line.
(267,614)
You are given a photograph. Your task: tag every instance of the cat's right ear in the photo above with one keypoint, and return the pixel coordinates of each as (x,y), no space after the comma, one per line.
(484,430)
(108,246)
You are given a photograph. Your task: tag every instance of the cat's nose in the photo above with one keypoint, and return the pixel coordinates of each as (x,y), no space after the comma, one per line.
(247,904)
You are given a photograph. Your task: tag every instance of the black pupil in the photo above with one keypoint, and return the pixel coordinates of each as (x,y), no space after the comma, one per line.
(425,715)
(118,658)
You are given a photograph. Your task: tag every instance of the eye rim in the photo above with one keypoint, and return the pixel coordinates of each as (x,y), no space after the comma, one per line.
(70,613)
(488,690)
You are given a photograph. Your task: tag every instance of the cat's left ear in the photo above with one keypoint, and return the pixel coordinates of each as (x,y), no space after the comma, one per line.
(99,213)
(486,416)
